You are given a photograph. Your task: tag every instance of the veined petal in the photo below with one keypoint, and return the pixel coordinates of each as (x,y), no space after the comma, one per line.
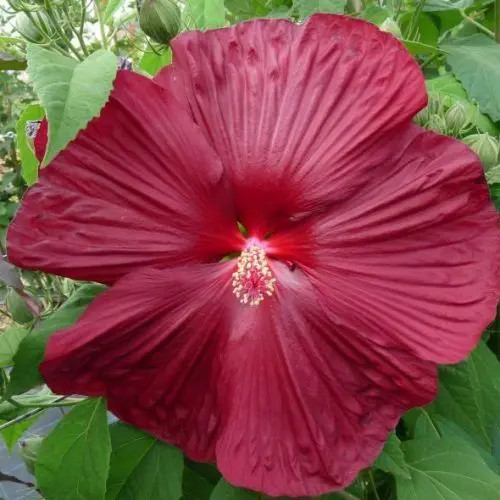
(140,186)
(414,257)
(299,114)
(283,396)
(151,344)
(306,403)
(41,138)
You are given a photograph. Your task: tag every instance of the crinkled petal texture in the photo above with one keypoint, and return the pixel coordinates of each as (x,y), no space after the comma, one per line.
(412,259)
(299,114)
(287,399)
(140,186)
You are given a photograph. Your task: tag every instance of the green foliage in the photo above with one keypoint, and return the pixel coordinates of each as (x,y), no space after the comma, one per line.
(25,373)
(9,343)
(306,8)
(142,468)
(445,468)
(13,433)
(152,62)
(224,491)
(71,93)
(29,162)
(475,61)
(392,459)
(73,460)
(205,14)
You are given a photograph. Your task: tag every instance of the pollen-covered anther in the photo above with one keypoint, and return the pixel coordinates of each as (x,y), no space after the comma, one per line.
(253,280)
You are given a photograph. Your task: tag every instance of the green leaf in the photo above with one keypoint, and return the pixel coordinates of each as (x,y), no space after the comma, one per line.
(246,9)
(426,31)
(439,5)
(111,7)
(73,460)
(71,93)
(445,469)
(475,61)
(25,374)
(205,14)
(469,396)
(416,48)
(305,8)
(374,13)
(13,433)
(224,491)
(29,162)
(151,63)
(450,90)
(391,459)
(142,468)
(9,343)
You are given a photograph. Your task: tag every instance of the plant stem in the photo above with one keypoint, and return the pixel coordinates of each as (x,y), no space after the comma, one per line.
(479,26)
(101,24)
(21,418)
(346,495)
(54,404)
(77,32)
(60,32)
(372,482)
(497,20)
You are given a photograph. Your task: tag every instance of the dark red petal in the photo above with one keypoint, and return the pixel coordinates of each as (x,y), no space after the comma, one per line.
(151,344)
(306,401)
(413,258)
(139,186)
(299,114)
(40,141)
(286,398)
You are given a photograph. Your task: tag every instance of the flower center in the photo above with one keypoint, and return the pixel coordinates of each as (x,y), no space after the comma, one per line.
(253,279)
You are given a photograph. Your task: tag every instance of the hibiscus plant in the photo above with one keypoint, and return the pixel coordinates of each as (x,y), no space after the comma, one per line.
(252,249)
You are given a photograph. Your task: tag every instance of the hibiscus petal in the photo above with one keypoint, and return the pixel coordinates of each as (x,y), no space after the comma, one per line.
(413,258)
(299,114)
(151,345)
(40,141)
(286,401)
(306,402)
(139,186)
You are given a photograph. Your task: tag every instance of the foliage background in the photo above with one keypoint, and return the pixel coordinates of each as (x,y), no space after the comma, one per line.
(447,450)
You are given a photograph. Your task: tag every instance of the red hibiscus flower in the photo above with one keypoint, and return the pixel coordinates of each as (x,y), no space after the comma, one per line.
(371,253)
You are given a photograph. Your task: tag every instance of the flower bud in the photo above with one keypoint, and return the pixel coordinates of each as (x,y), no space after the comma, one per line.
(28,449)
(25,26)
(392,27)
(485,146)
(456,117)
(437,124)
(17,308)
(160,19)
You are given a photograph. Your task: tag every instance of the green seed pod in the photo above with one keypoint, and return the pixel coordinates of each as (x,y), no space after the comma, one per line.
(392,27)
(17,308)
(28,449)
(28,29)
(456,117)
(485,146)
(437,124)
(422,117)
(160,19)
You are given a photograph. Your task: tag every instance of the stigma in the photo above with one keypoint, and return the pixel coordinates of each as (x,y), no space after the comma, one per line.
(253,280)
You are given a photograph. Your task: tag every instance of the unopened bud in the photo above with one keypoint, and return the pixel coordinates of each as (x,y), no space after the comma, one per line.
(29,449)
(160,19)
(485,146)
(437,124)
(456,117)
(392,27)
